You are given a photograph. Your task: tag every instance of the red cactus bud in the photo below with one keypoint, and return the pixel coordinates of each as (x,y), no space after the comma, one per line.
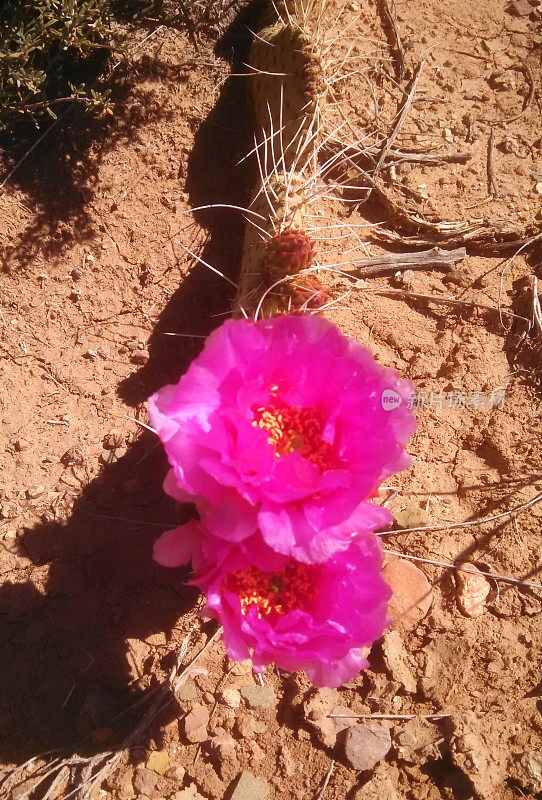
(287,253)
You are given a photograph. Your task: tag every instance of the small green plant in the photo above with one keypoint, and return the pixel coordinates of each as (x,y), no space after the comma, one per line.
(48,49)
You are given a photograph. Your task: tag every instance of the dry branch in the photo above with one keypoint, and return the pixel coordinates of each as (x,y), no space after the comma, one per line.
(426,259)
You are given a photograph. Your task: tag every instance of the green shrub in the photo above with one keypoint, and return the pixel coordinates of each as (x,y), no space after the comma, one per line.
(48,50)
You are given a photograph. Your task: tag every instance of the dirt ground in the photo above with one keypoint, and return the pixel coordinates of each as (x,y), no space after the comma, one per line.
(101,304)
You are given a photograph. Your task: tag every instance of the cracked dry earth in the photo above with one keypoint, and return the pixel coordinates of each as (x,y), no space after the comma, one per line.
(101,304)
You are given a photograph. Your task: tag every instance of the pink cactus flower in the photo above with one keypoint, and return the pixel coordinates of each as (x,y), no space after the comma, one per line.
(287,426)
(274,609)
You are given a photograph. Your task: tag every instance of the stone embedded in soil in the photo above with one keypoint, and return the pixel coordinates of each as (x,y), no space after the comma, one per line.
(472,591)
(526,769)
(412,594)
(382,784)
(186,692)
(33,492)
(412,517)
(124,788)
(175,772)
(258,696)
(195,724)
(144,781)
(249,787)
(245,727)
(366,744)
(241,667)
(287,762)
(231,698)
(415,739)
(158,761)
(396,660)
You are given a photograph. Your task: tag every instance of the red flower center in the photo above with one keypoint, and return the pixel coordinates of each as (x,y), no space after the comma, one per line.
(293,429)
(275,593)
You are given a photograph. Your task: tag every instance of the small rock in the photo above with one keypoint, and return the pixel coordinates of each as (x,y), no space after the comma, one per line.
(21,445)
(258,696)
(244,726)
(222,741)
(472,590)
(412,517)
(521,8)
(175,772)
(144,781)
(529,771)
(259,726)
(131,344)
(158,761)
(414,740)
(231,698)
(140,357)
(412,594)
(256,752)
(208,697)
(91,355)
(186,692)
(241,667)
(249,787)
(287,761)
(396,660)
(124,788)
(195,724)
(366,744)
(33,492)
(76,274)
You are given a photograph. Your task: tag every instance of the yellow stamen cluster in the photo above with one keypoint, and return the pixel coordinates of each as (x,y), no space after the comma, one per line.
(275,593)
(296,429)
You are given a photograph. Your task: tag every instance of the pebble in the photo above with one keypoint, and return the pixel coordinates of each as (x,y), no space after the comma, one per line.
(529,771)
(241,667)
(123,785)
(396,660)
(258,696)
(366,744)
(92,355)
(141,357)
(287,761)
(33,492)
(249,787)
(175,772)
(412,517)
(195,724)
(76,274)
(144,781)
(186,692)
(158,761)
(412,594)
(471,591)
(244,727)
(231,698)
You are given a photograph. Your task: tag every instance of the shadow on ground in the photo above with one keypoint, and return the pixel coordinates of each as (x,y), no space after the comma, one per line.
(67,639)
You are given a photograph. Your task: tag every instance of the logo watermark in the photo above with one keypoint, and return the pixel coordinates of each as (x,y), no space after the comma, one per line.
(453,399)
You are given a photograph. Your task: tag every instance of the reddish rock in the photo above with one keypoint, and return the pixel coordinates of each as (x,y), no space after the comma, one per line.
(365,745)
(472,591)
(412,593)
(195,724)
